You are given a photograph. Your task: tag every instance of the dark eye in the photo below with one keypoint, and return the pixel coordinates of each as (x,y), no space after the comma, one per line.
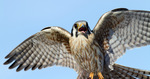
(75,25)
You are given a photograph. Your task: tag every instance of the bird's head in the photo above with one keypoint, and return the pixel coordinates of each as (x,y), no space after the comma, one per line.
(80,28)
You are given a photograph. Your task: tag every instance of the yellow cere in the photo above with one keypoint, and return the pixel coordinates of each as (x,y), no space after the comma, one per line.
(82,24)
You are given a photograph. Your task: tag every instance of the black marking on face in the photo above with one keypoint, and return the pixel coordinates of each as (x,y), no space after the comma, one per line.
(76,34)
(73,29)
(75,25)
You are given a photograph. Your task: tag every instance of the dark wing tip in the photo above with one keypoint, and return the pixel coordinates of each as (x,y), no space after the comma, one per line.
(120,9)
(45,28)
(5,63)
(7,56)
(17,70)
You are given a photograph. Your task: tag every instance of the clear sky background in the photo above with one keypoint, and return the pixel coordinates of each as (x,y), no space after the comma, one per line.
(20,19)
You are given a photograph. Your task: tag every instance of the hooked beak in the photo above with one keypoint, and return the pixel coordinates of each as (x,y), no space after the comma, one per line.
(82,28)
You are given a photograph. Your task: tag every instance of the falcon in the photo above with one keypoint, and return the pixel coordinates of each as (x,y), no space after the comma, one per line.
(91,53)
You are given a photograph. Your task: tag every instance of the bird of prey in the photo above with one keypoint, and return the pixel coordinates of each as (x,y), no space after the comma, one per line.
(91,53)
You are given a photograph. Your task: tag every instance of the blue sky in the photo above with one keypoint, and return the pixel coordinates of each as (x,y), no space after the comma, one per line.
(20,19)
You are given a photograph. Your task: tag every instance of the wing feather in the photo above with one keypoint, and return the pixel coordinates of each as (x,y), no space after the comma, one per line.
(46,48)
(122,29)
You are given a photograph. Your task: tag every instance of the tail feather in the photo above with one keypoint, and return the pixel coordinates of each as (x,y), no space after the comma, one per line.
(123,72)
(113,75)
(132,72)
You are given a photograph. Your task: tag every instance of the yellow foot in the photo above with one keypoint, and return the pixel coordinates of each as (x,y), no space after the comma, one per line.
(100,76)
(91,75)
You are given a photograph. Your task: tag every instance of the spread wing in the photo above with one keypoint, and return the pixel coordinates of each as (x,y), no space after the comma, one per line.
(46,48)
(121,29)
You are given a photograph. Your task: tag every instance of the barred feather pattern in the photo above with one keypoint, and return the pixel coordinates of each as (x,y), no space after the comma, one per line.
(116,31)
(87,54)
(46,48)
(122,29)
(123,72)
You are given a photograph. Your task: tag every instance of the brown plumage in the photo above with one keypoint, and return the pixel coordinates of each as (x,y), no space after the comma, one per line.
(89,53)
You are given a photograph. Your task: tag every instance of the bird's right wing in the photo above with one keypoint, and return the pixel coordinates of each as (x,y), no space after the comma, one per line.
(46,48)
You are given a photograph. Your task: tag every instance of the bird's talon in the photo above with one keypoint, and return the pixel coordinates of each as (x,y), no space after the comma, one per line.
(91,75)
(100,76)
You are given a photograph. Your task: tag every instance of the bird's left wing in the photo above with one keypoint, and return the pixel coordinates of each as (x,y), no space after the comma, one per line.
(120,29)
(46,48)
